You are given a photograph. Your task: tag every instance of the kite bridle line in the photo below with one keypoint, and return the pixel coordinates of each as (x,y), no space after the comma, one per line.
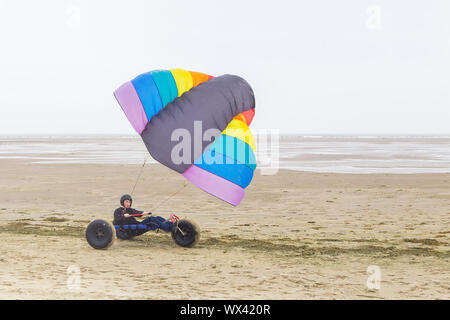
(140,172)
(184,186)
(137,179)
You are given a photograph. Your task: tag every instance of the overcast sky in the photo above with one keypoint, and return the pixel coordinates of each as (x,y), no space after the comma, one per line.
(318,66)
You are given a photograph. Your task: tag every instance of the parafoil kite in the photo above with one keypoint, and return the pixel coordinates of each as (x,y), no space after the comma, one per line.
(166,105)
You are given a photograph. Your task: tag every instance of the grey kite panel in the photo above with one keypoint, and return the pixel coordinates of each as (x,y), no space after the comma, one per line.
(214,103)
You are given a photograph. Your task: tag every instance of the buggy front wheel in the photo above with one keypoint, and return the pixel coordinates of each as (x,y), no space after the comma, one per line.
(186,233)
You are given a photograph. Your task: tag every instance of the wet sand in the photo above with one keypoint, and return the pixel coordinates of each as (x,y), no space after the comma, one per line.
(296,235)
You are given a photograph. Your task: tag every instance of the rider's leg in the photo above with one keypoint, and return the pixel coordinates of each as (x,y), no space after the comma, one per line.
(163,224)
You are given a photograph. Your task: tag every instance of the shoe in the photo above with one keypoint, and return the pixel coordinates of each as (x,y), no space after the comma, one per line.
(174,218)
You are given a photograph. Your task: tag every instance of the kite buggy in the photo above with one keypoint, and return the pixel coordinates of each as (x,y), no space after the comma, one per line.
(217,152)
(100,234)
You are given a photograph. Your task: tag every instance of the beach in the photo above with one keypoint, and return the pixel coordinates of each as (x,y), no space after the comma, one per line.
(309,143)
(296,235)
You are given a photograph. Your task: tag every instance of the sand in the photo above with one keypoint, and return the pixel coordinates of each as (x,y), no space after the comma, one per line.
(296,235)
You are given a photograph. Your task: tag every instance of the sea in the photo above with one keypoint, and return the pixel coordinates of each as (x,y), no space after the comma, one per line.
(314,153)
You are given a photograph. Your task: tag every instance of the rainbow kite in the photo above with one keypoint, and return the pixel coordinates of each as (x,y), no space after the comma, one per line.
(162,102)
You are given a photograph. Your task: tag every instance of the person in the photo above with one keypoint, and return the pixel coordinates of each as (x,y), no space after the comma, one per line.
(124,216)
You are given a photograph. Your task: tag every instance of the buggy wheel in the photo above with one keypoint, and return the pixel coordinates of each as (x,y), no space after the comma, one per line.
(186,234)
(99,234)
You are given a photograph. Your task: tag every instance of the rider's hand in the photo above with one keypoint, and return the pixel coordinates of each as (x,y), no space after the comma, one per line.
(126,215)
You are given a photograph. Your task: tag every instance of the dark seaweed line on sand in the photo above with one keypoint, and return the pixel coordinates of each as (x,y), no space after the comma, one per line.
(233,242)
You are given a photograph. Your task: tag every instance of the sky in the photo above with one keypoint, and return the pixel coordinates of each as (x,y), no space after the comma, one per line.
(316,67)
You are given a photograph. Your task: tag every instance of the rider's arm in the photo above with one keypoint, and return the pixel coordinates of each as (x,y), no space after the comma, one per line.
(134,211)
(119,214)
(125,213)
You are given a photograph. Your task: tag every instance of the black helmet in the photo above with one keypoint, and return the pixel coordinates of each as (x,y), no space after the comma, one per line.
(125,197)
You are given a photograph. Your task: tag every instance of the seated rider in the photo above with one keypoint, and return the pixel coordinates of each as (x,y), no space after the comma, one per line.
(124,216)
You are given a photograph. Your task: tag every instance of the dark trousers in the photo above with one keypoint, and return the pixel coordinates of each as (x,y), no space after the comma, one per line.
(153,223)
(158,222)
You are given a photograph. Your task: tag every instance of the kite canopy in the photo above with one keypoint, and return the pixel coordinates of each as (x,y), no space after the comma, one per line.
(212,116)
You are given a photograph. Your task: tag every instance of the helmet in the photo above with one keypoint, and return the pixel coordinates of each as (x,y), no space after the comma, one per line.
(125,197)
